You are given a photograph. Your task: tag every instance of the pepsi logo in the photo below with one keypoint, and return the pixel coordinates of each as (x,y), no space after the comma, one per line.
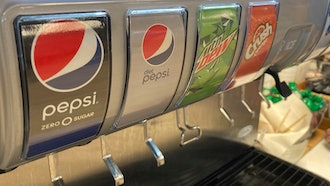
(66,55)
(158,44)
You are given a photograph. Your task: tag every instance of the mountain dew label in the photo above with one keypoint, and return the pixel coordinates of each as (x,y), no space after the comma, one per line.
(217,39)
(214,50)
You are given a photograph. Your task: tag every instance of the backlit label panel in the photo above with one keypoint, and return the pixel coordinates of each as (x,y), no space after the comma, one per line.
(156,51)
(65,65)
(217,39)
(261,27)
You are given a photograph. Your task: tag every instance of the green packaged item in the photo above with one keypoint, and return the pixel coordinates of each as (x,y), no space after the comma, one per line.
(313,102)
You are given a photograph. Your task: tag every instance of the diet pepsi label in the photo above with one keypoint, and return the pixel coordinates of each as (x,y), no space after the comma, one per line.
(65,69)
(156,50)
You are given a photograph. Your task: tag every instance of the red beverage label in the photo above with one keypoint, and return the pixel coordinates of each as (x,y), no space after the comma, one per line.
(260,34)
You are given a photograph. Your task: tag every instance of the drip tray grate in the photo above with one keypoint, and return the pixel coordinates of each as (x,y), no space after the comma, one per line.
(258,168)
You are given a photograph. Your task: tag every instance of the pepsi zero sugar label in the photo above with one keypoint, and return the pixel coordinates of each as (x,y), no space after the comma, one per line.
(156,46)
(65,72)
(217,40)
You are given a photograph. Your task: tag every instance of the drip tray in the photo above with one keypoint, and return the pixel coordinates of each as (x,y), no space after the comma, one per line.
(258,168)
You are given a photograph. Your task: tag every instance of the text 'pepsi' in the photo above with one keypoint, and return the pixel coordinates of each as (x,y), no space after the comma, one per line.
(69,107)
(61,86)
(66,81)
(150,75)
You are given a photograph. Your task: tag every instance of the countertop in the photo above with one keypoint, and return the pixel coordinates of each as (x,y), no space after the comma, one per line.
(317,160)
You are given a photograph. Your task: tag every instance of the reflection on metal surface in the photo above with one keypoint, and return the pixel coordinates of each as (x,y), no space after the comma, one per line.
(160,159)
(156,152)
(184,141)
(58,181)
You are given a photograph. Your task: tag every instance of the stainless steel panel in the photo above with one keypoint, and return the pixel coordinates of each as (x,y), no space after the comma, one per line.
(186,165)
(156,46)
(304,15)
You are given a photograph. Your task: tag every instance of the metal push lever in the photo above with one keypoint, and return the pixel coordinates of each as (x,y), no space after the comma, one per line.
(160,159)
(224,111)
(263,97)
(246,105)
(183,141)
(111,164)
(56,178)
(115,171)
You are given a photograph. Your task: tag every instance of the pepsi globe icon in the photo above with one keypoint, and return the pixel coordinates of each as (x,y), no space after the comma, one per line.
(158,44)
(67,60)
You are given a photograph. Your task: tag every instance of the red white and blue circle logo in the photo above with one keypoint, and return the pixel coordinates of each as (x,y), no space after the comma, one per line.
(158,44)
(66,55)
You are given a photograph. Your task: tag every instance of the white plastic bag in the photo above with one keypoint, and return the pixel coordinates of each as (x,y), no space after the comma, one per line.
(284,128)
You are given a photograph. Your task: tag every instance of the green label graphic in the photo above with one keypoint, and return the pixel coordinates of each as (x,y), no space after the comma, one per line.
(217,39)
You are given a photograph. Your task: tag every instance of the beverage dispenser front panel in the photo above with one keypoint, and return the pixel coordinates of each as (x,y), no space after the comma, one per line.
(69,75)
(156,45)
